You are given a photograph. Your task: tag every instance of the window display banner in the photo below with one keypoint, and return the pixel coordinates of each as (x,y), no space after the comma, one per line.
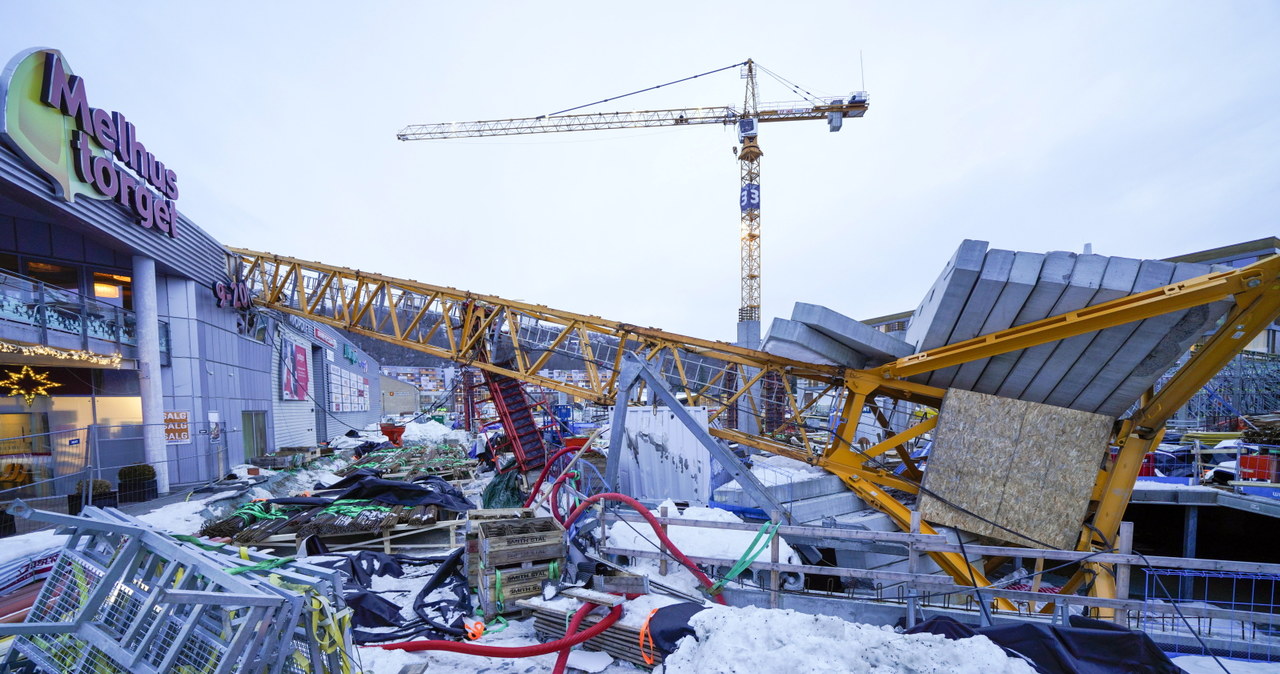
(294,373)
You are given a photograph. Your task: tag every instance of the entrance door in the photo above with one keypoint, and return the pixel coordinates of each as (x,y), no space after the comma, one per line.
(254,427)
(320,388)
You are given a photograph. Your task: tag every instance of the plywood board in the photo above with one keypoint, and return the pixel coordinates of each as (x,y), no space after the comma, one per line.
(1027,467)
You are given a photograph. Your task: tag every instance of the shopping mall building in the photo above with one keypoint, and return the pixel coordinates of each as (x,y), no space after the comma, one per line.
(123,337)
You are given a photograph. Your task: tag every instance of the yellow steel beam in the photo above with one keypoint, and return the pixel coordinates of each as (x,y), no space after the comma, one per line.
(338,298)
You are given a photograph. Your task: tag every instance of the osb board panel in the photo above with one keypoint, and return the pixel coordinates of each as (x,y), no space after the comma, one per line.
(1027,466)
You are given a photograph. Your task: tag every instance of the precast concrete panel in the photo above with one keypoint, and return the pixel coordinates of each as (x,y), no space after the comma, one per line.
(1137,347)
(1055,273)
(932,321)
(1086,279)
(1117,282)
(982,299)
(1023,275)
(798,341)
(876,346)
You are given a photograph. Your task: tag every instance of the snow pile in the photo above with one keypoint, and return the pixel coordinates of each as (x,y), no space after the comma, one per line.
(727,544)
(776,470)
(433,433)
(347,442)
(750,640)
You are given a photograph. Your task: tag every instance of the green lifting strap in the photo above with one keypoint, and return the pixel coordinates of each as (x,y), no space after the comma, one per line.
(747,558)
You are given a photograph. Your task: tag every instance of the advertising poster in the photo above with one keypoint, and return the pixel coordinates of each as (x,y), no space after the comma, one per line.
(177,427)
(294,374)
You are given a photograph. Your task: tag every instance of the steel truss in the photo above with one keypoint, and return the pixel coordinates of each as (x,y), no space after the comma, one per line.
(517,339)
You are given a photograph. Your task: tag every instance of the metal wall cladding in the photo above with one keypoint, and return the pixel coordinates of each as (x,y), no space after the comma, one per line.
(192,254)
(662,459)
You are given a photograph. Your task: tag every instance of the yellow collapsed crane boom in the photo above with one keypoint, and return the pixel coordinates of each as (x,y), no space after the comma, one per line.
(746,119)
(517,339)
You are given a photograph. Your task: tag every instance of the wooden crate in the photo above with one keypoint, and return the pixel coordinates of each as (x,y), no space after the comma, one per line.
(498,589)
(501,543)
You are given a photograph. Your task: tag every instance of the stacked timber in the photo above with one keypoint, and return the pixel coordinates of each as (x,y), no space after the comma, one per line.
(622,640)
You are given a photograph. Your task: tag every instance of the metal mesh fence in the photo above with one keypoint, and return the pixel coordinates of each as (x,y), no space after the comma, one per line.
(124,598)
(1230,637)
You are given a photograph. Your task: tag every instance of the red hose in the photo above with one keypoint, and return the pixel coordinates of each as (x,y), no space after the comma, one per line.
(657,529)
(563,658)
(551,497)
(533,493)
(508,651)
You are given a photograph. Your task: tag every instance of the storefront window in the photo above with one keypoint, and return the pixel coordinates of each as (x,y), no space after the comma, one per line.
(113,289)
(56,275)
(9,263)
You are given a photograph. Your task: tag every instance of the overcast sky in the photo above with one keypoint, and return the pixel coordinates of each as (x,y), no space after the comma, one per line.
(1148,129)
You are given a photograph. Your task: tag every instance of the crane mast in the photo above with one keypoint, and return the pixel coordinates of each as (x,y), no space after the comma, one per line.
(749,198)
(747,121)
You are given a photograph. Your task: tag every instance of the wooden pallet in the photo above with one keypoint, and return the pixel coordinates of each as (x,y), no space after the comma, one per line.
(397,538)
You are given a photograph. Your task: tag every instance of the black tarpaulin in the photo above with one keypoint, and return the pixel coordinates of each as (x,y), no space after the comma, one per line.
(1086,647)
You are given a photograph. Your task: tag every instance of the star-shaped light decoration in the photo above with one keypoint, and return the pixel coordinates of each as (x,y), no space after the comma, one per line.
(28,384)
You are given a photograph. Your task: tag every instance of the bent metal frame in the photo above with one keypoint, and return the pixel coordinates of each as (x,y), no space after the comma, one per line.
(517,339)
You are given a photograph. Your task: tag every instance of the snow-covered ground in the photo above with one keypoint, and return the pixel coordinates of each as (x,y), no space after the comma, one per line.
(729,639)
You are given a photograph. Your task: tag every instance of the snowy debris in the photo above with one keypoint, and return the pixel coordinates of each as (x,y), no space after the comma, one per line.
(776,470)
(727,544)
(433,432)
(749,640)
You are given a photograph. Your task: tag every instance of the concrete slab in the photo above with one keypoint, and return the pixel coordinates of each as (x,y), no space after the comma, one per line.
(1139,344)
(1086,279)
(1175,342)
(1022,278)
(1151,274)
(933,320)
(986,292)
(876,346)
(1117,282)
(1055,273)
(809,509)
(820,485)
(798,341)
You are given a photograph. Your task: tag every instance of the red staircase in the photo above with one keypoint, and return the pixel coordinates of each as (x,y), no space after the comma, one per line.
(516,411)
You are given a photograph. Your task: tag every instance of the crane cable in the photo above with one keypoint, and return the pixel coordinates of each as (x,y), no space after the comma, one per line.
(641,91)
(800,91)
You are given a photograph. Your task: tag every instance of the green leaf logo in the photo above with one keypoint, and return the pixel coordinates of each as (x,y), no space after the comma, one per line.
(40,133)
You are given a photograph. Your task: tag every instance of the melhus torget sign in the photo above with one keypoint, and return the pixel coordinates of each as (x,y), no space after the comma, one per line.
(84,150)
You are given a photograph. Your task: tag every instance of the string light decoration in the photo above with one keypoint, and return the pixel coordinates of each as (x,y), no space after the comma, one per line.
(29,384)
(61,354)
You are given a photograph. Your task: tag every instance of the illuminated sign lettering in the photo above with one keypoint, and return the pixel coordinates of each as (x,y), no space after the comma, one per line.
(84,150)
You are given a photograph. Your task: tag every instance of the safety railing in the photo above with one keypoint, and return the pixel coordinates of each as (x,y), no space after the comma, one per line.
(50,310)
(1230,609)
(63,471)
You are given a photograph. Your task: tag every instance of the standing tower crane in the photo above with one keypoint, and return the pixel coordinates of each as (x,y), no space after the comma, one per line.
(746,119)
